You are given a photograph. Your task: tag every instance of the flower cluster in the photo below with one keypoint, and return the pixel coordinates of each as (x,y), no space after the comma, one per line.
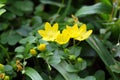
(51,33)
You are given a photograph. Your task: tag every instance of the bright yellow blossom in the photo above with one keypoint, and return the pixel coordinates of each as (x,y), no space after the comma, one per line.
(83,34)
(63,38)
(73,31)
(33,51)
(50,33)
(42,47)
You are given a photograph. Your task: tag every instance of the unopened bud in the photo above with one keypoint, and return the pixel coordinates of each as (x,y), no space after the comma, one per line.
(79,59)
(7,78)
(33,51)
(42,47)
(72,57)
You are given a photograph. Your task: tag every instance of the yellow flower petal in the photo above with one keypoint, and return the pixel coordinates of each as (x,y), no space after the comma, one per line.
(82,29)
(87,34)
(73,31)
(47,26)
(50,33)
(42,32)
(84,36)
(55,26)
(63,38)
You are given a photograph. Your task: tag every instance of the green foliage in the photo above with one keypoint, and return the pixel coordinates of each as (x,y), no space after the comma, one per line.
(33,74)
(2,10)
(98,8)
(97,58)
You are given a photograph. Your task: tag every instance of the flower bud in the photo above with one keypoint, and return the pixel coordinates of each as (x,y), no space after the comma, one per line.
(7,78)
(2,75)
(33,52)
(42,47)
(72,57)
(79,59)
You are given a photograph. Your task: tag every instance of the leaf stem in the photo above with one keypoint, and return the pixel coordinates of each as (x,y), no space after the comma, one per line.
(66,10)
(60,7)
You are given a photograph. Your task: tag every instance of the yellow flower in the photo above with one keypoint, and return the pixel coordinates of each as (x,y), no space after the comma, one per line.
(63,38)
(50,33)
(42,47)
(73,31)
(83,34)
(33,51)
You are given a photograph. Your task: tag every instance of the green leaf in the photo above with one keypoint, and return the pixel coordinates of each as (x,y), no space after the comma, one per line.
(15,11)
(3,37)
(24,30)
(90,78)
(106,1)
(75,50)
(29,39)
(55,58)
(23,5)
(81,65)
(3,1)
(3,26)
(1,5)
(116,67)
(19,49)
(2,11)
(8,69)
(36,21)
(94,9)
(117,53)
(3,52)
(9,15)
(103,53)
(52,3)
(61,68)
(32,73)
(100,75)
(10,37)
(59,77)
(71,68)
(19,56)
(13,38)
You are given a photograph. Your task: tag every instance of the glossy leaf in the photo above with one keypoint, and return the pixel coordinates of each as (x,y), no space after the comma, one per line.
(52,3)
(20,5)
(61,67)
(32,73)
(103,53)
(1,5)
(2,11)
(75,50)
(19,49)
(100,75)
(94,9)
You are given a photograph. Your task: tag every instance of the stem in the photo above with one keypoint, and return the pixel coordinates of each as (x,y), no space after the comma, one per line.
(73,42)
(5,51)
(49,69)
(114,10)
(66,10)
(60,7)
